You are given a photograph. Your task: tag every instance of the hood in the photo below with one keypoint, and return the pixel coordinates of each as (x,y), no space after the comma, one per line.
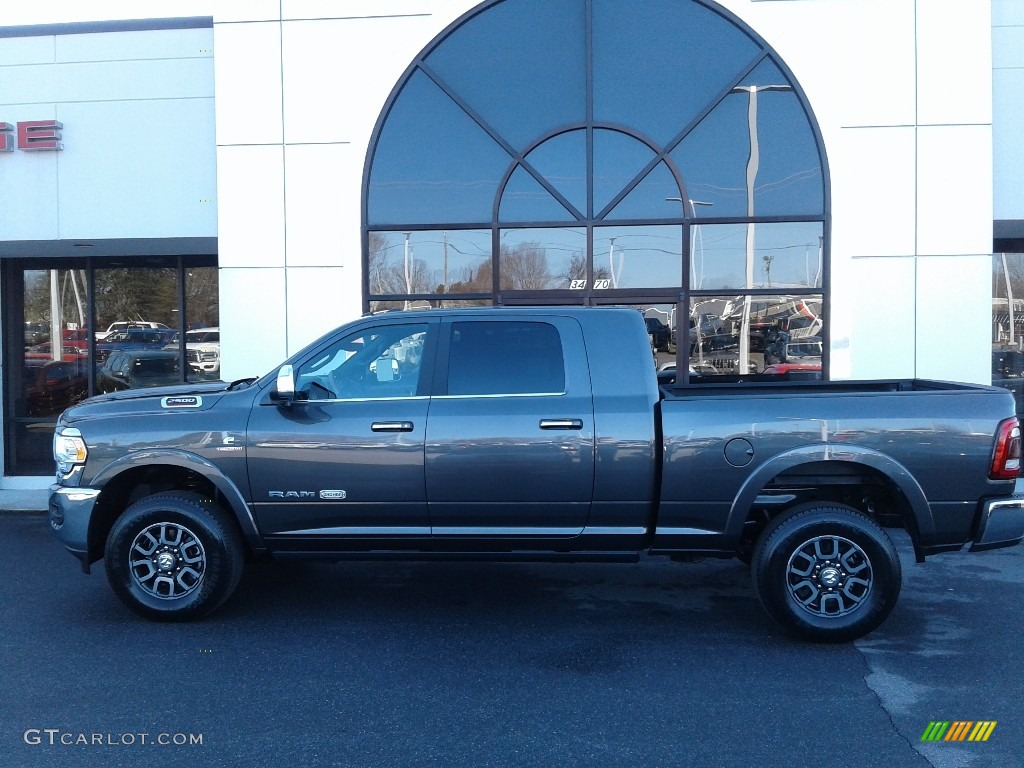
(187,397)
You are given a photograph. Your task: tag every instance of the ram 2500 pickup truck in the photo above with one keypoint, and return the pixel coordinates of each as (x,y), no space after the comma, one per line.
(533,434)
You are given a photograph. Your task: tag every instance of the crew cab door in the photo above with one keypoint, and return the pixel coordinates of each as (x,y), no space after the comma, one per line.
(510,438)
(345,457)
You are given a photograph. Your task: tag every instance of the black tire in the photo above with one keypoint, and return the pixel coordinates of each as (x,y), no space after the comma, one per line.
(174,556)
(826,572)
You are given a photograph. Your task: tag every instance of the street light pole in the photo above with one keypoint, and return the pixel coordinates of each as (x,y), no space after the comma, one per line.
(611,262)
(753,164)
(408,280)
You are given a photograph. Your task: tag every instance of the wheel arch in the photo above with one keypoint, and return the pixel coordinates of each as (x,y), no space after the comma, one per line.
(831,465)
(130,478)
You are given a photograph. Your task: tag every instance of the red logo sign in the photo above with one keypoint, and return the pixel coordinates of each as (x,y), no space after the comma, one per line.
(32,135)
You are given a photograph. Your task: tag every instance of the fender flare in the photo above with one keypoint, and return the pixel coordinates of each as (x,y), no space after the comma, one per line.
(923,529)
(237,505)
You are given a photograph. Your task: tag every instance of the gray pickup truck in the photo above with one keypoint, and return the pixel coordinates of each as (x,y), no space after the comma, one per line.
(533,434)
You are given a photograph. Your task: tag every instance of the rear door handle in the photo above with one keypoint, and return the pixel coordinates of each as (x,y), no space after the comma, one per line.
(392,426)
(561,423)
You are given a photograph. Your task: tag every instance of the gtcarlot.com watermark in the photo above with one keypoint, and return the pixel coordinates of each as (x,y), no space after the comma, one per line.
(54,737)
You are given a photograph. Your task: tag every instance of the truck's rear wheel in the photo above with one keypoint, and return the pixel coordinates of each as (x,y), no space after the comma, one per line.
(174,556)
(826,572)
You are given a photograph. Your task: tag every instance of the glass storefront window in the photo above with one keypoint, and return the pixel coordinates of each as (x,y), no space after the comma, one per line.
(778,255)
(739,334)
(90,329)
(432,262)
(55,357)
(542,259)
(1008,325)
(640,257)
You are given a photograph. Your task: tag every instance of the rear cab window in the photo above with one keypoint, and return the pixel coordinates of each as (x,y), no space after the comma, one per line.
(505,358)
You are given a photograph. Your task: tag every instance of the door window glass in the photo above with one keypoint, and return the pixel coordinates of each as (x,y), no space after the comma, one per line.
(384,361)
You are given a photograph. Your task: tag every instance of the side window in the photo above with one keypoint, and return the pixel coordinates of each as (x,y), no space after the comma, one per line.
(505,358)
(385,361)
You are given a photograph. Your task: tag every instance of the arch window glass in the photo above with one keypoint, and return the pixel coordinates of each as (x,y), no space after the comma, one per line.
(599,151)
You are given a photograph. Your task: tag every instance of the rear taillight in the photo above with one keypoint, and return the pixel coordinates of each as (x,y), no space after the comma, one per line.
(1006,458)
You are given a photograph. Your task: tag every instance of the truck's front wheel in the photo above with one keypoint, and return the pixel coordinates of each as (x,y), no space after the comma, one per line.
(174,556)
(826,572)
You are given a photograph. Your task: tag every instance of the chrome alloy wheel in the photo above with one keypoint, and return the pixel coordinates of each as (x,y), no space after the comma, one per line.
(829,576)
(167,561)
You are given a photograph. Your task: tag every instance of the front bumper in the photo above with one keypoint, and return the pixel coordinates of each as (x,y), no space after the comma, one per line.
(1001,523)
(70,513)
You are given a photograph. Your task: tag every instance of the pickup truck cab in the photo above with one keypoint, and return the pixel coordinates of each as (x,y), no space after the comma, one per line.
(526,434)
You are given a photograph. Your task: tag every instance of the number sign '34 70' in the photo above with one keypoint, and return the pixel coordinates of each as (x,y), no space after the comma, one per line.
(599,285)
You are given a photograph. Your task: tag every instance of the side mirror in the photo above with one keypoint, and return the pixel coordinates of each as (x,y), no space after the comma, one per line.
(284,390)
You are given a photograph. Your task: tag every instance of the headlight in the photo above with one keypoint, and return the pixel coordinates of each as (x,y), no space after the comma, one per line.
(68,449)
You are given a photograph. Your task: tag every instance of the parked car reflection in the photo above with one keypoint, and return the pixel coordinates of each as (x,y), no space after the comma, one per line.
(57,385)
(786,350)
(134,369)
(202,351)
(133,339)
(40,354)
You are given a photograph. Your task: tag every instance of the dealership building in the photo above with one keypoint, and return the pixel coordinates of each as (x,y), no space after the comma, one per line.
(829,173)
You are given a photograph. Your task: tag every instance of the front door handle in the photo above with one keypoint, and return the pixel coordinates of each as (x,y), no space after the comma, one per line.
(392,426)
(561,423)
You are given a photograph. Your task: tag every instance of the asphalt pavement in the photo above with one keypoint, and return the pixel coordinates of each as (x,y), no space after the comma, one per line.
(464,664)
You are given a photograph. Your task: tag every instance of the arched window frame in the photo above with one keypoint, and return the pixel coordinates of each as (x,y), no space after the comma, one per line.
(589,219)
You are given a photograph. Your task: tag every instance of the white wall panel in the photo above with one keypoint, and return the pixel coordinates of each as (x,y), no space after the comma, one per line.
(125,46)
(882,335)
(100,81)
(138,169)
(323,219)
(954,199)
(246,10)
(253,325)
(1007,12)
(1007,146)
(26,50)
(874,186)
(30,182)
(320,299)
(334,9)
(250,191)
(954,318)
(362,58)
(954,62)
(248,74)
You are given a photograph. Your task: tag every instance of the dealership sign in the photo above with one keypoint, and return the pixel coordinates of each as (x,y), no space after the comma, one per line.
(31,135)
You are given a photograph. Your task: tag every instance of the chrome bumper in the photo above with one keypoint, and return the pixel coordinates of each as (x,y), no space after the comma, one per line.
(1002,521)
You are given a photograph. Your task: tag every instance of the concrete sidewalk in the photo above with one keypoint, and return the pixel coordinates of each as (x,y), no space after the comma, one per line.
(24,501)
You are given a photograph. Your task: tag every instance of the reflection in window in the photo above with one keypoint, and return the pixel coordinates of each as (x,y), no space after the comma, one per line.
(640,257)
(777,255)
(743,334)
(544,39)
(381,362)
(1008,325)
(433,163)
(657,64)
(430,262)
(562,161)
(542,259)
(70,350)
